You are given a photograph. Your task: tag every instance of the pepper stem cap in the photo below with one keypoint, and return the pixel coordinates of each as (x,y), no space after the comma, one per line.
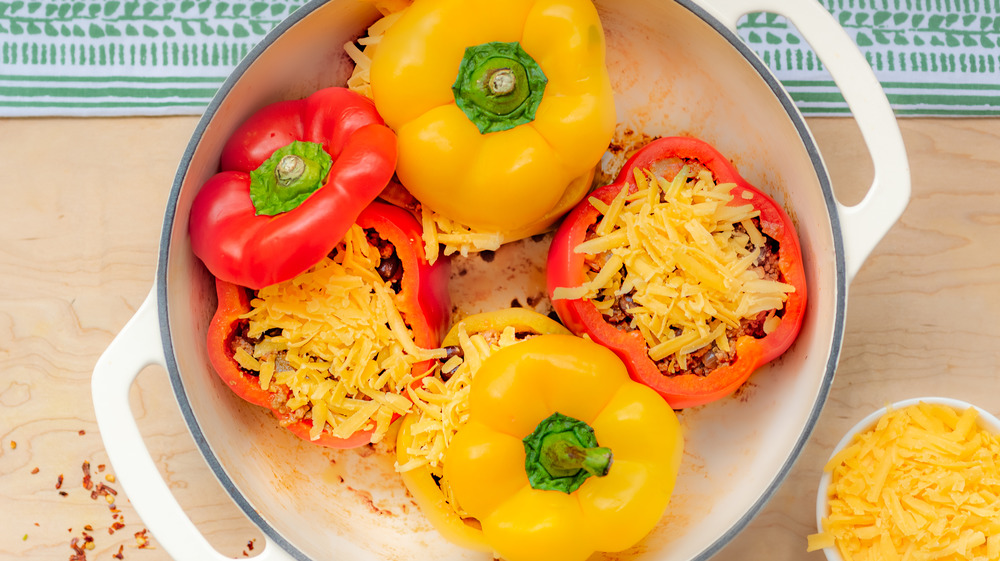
(498,86)
(562,452)
(288,177)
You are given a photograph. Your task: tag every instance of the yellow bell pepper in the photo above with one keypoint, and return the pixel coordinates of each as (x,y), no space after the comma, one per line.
(502,109)
(563,455)
(424,481)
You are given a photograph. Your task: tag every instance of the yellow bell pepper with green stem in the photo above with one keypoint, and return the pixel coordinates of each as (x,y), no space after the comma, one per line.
(563,455)
(423,480)
(502,109)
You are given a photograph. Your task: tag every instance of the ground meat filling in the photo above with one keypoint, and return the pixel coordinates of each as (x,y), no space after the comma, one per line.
(703,361)
(390,269)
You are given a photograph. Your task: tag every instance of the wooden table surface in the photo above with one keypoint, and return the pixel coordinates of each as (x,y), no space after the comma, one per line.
(81,205)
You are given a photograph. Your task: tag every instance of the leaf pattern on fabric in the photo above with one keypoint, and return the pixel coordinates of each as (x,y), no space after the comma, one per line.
(153,57)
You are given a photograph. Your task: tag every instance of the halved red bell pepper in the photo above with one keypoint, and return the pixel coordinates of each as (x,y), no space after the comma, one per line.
(342,156)
(566,268)
(423,302)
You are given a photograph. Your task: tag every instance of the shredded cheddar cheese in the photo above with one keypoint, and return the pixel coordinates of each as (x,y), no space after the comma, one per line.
(675,248)
(334,337)
(443,406)
(923,484)
(456,238)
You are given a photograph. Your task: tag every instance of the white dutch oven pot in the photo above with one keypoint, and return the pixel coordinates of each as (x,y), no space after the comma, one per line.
(678,67)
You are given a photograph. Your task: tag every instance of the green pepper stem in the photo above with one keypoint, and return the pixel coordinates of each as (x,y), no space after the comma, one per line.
(498,86)
(562,452)
(287,178)
(503,81)
(289,169)
(562,455)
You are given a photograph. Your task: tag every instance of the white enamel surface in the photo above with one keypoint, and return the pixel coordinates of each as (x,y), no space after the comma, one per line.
(985,421)
(136,347)
(673,74)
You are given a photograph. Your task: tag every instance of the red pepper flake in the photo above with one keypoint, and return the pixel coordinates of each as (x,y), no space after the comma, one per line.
(141,539)
(82,432)
(79,553)
(80,550)
(102,490)
(120,554)
(59,482)
(250,544)
(63,493)
(88,528)
(34,471)
(100,467)
(87,483)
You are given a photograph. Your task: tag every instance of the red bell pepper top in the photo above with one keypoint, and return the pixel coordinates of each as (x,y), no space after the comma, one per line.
(240,246)
(423,301)
(566,268)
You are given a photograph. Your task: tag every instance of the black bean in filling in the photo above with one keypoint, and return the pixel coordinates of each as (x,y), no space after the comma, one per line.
(390,267)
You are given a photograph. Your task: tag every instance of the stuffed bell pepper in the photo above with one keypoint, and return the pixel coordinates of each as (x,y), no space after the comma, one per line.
(332,351)
(690,274)
(327,307)
(562,454)
(441,402)
(503,110)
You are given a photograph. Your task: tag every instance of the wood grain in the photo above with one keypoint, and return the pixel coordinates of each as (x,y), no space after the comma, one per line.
(81,203)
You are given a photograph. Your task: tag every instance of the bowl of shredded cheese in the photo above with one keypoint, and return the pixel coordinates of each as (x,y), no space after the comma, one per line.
(918,479)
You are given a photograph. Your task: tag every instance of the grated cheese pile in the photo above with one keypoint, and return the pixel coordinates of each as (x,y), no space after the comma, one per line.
(456,238)
(923,484)
(438,230)
(443,406)
(674,246)
(344,351)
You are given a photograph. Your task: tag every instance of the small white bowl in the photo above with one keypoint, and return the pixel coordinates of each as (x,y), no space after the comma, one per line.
(985,420)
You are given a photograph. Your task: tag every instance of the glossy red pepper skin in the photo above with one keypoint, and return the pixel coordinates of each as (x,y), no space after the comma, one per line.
(241,247)
(423,301)
(567,268)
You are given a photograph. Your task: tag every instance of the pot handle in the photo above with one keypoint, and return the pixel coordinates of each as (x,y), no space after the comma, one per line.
(139,345)
(865,224)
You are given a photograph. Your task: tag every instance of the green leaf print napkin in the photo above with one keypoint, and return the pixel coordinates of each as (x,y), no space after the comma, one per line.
(160,57)
(932,57)
(111,57)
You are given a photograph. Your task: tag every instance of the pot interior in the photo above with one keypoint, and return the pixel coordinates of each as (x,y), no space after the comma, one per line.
(675,72)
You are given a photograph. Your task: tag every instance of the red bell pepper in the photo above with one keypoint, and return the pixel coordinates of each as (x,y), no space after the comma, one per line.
(293,178)
(423,302)
(566,268)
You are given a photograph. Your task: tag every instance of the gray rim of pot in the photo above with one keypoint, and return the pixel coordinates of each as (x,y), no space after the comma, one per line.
(692,6)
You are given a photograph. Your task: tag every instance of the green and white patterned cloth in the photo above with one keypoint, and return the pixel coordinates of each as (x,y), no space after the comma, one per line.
(932,57)
(158,57)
